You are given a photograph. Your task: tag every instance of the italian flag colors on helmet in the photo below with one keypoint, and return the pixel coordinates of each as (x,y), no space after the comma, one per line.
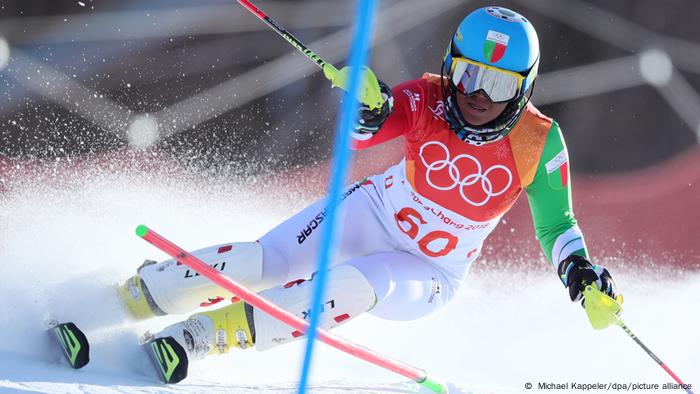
(495,46)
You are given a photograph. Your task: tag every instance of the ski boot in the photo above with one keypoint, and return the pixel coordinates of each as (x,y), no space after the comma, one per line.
(136,298)
(213,332)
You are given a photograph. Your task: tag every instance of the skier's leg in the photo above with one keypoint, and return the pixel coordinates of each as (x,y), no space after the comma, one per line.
(393,285)
(242,326)
(407,287)
(287,252)
(294,244)
(169,287)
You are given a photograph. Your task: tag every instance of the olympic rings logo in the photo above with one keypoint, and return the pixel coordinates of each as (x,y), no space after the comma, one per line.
(469,180)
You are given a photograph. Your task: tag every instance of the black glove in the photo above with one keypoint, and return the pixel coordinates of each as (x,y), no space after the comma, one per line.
(371,120)
(576,273)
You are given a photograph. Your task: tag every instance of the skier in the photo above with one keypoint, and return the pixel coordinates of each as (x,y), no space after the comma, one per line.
(473,143)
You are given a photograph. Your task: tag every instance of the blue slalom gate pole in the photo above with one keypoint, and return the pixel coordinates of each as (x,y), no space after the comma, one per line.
(358,56)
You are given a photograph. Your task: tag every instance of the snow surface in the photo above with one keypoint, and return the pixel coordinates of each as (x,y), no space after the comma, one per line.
(65,243)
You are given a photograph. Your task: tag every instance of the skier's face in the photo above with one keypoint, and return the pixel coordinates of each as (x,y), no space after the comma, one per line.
(477,109)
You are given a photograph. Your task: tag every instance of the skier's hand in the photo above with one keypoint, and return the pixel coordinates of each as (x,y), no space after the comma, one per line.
(576,273)
(371,120)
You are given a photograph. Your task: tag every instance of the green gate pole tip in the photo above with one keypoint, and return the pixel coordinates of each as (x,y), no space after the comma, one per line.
(435,385)
(141,230)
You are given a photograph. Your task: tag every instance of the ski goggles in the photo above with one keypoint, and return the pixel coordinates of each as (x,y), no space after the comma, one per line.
(470,77)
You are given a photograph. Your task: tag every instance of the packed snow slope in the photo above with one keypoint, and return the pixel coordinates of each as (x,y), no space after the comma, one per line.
(66,240)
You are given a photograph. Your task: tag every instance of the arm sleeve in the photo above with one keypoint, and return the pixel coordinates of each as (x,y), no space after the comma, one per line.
(409,98)
(550,202)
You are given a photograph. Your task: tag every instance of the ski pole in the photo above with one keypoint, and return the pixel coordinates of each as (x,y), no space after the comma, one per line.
(604,311)
(370,93)
(288,36)
(417,375)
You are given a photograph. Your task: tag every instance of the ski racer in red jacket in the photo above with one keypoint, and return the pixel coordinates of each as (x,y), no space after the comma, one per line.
(473,143)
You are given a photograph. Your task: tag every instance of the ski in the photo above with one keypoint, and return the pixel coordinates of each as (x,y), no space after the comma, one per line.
(169,359)
(73,342)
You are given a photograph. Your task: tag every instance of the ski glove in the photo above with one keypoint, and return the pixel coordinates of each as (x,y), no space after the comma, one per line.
(576,272)
(370,121)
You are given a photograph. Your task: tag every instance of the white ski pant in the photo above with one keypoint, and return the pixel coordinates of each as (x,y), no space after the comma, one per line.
(407,286)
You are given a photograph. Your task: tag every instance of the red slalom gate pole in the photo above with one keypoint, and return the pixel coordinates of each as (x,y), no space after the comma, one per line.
(416,374)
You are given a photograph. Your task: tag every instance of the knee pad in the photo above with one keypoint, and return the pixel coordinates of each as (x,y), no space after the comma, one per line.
(177,289)
(348,294)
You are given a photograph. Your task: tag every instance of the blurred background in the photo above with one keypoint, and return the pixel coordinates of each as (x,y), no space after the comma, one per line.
(207,86)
